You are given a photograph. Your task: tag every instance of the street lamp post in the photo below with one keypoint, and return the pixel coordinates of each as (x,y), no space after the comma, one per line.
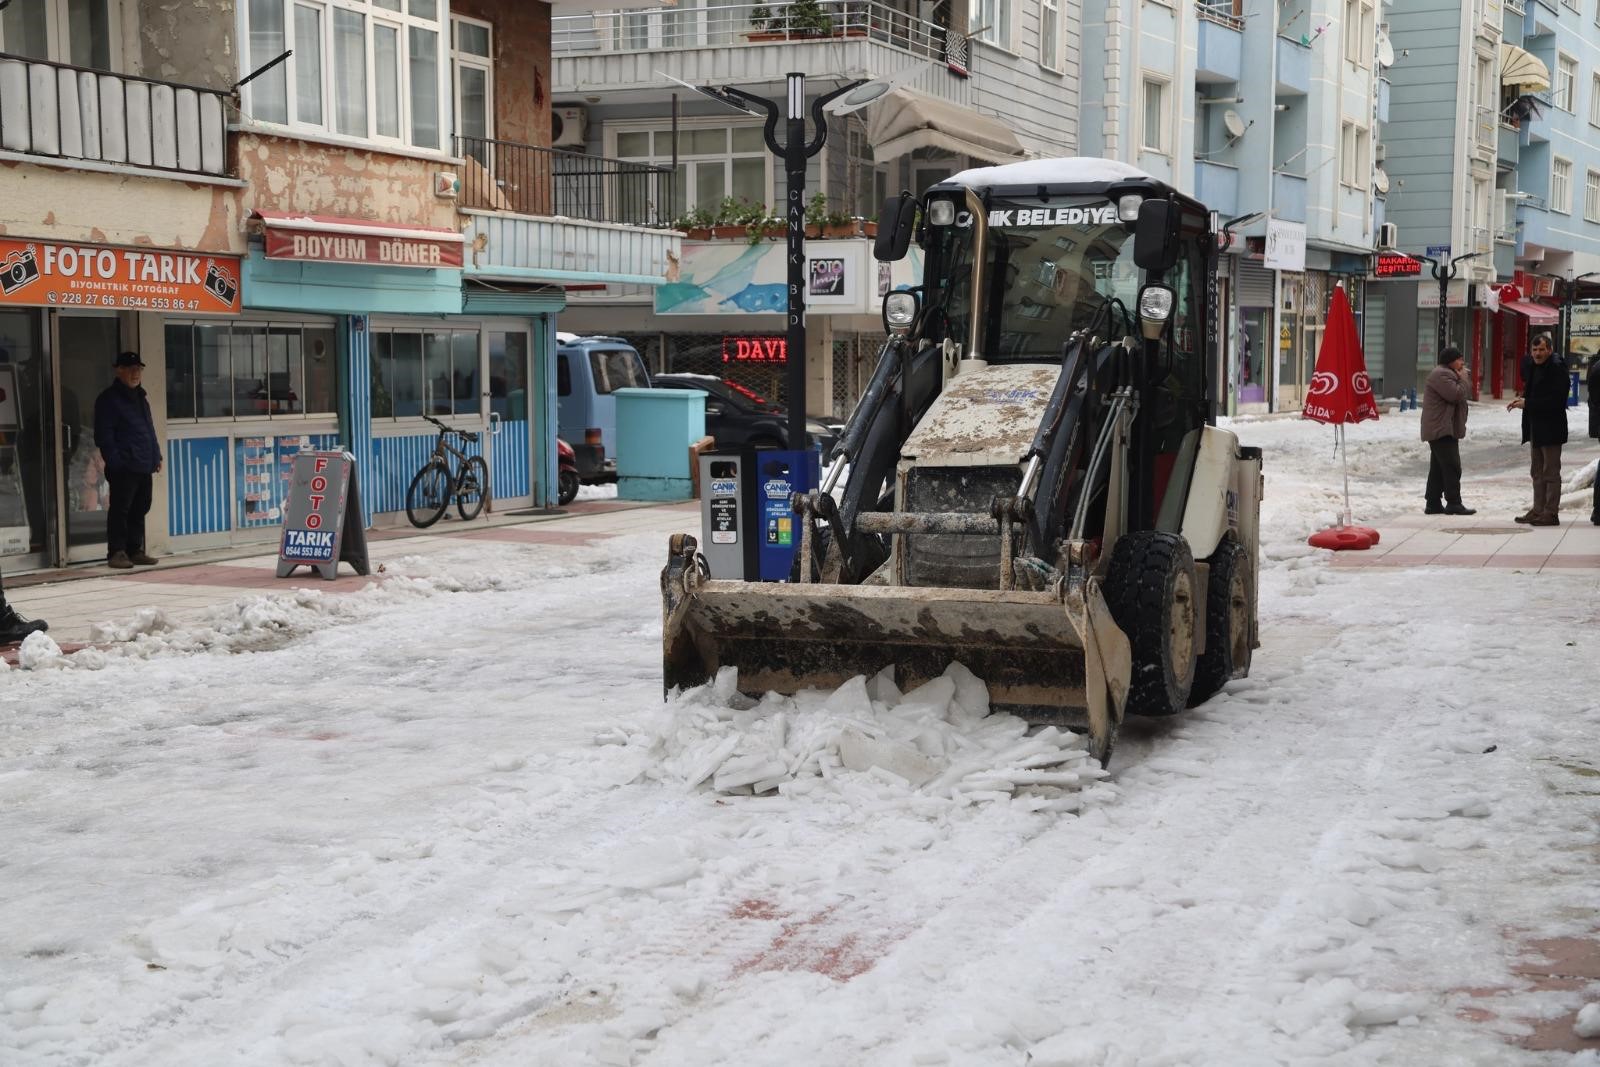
(1444,275)
(1569,297)
(794,151)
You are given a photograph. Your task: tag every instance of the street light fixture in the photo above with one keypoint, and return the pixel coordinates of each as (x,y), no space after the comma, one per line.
(1444,275)
(794,151)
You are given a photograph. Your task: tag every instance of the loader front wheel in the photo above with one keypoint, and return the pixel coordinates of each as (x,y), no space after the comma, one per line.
(1228,603)
(1150,589)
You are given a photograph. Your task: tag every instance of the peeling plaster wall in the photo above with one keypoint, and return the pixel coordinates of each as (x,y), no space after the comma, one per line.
(74,205)
(189,41)
(521,66)
(323,179)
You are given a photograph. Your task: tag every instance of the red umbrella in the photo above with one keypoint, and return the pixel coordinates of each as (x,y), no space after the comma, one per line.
(1341,392)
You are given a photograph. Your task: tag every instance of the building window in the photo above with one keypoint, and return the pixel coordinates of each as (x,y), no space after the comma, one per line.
(714,163)
(1594,101)
(1566,82)
(1347,154)
(83,33)
(1591,196)
(866,185)
(1050,34)
(249,370)
(1359,27)
(472,59)
(991,21)
(424,372)
(363,68)
(1153,136)
(1561,185)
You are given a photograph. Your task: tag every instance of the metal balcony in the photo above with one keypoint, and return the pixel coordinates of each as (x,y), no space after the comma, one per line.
(1219,56)
(1294,67)
(60,112)
(540,214)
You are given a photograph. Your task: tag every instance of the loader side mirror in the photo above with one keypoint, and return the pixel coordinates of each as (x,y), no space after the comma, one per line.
(895,223)
(1155,237)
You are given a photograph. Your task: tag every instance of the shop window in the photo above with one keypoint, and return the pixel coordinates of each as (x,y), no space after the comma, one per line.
(424,372)
(249,370)
(364,68)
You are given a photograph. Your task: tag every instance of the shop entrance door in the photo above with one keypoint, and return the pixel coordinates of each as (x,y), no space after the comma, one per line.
(509,449)
(27,489)
(85,347)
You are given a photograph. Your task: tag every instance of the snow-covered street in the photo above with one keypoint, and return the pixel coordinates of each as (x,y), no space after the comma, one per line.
(449,820)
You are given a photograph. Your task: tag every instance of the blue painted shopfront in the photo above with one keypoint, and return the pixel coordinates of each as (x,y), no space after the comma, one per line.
(228,480)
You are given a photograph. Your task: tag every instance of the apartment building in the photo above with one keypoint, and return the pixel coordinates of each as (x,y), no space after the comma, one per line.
(317,220)
(990,83)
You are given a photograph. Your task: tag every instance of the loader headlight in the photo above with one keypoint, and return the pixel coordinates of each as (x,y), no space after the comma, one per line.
(899,311)
(1155,308)
(941,212)
(1128,207)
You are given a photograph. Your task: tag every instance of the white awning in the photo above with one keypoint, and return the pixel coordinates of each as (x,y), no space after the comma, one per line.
(904,121)
(1520,67)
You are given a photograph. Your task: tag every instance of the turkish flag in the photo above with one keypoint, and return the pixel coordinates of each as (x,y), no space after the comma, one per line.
(1340,390)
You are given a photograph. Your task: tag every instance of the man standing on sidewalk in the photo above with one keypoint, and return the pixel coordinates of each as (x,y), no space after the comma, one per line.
(125,433)
(1544,431)
(13,627)
(1444,424)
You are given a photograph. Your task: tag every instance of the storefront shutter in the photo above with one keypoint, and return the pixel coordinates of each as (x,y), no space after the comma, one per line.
(1372,341)
(1253,284)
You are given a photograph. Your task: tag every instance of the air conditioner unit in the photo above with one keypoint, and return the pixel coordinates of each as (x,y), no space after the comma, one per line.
(1388,235)
(569,127)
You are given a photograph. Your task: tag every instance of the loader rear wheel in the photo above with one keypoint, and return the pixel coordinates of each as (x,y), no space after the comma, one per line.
(1150,589)
(1228,603)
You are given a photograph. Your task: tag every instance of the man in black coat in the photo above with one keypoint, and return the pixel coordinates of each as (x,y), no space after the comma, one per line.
(1544,430)
(125,433)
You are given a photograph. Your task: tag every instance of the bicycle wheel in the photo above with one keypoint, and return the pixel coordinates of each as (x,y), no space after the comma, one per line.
(472,487)
(428,495)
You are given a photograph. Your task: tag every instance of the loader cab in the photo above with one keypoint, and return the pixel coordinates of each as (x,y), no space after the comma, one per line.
(1017,270)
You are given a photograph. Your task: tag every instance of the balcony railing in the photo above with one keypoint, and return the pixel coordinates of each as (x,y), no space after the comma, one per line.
(528,180)
(64,112)
(737,24)
(1220,12)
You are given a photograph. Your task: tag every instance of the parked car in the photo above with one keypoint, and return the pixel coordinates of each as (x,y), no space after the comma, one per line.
(738,416)
(567,479)
(588,371)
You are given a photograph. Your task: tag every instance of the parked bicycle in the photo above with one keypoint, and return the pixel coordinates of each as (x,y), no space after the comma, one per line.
(435,484)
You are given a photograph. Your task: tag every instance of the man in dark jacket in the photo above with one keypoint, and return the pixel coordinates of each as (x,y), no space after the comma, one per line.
(13,627)
(1544,430)
(125,433)
(1594,426)
(1444,424)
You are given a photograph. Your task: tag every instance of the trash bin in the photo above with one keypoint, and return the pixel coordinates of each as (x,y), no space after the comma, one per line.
(727,539)
(1572,391)
(780,473)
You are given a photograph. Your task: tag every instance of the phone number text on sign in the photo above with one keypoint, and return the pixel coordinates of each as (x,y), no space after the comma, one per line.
(44,273)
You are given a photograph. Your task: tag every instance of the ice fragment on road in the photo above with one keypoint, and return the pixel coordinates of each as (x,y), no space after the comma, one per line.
(1588,1024)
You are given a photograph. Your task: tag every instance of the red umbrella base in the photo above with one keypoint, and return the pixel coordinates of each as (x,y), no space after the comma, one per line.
(1341,538)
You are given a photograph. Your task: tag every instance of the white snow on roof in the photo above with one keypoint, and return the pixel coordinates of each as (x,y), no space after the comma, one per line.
(1050,172)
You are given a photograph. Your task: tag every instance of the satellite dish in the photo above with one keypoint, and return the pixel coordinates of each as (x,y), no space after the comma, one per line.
(876,89)
(1385,52)
(1233,124)
(1380,180)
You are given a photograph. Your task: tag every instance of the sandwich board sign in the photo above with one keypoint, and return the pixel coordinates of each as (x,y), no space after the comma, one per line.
(322,517)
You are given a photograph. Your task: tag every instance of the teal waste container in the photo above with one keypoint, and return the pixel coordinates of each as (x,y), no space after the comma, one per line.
(655,428)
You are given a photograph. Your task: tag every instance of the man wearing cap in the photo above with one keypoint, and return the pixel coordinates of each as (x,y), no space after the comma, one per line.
(1444,424)
(125,433)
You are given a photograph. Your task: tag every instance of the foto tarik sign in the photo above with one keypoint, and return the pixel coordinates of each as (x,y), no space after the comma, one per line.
(322,517)
(57,274)
(755,350)
(1395,265)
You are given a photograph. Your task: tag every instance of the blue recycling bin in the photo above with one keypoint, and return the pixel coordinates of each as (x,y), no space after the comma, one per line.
(655,428)
(779,474)
(1572,392)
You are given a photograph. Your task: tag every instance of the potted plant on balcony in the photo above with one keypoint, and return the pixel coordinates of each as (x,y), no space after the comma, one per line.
(764,26)
(695,224)
(816,215)
(730,220)
(838,224)
(805,18)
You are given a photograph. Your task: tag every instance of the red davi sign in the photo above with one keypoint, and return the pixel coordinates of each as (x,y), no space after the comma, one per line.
(755,350)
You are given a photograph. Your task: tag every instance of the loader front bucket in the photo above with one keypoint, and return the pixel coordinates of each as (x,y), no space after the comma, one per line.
(1043,656)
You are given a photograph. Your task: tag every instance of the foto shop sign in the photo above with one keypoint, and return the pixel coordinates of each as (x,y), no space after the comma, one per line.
(322,518)
(53,274)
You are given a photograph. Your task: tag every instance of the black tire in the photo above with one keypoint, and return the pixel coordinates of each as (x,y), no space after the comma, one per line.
(472,488)
(1150,589)
(567,488)
(1228,607)
(428,495)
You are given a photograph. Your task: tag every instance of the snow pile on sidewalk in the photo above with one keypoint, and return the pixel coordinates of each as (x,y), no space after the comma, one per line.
(937,741)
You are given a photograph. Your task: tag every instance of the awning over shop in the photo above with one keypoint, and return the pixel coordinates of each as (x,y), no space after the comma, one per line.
(904,121)
(1537,314)
(333,239)
(1520,67)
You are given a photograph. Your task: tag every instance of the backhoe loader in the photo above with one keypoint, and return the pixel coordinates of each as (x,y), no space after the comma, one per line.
(1032,484)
